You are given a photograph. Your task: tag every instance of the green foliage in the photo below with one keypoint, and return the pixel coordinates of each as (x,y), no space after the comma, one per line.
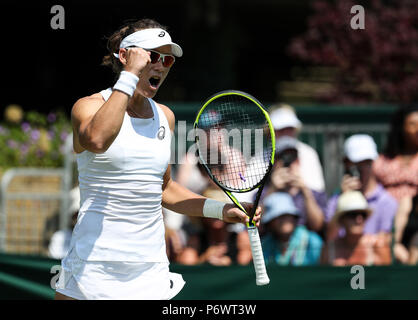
(36,141)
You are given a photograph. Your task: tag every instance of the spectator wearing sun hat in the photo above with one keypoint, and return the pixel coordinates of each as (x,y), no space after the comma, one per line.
(359,153)
(355,247)
(286,123)
(285,242)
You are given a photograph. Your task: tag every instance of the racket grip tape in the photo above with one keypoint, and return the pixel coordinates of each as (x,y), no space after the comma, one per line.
(258,258)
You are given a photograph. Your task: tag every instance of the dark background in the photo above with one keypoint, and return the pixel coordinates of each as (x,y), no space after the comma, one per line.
(227,44)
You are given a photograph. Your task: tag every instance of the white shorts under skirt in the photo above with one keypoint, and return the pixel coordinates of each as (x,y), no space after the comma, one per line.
(117,280)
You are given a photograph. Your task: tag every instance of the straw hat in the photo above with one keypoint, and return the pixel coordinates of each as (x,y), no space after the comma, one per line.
(351,201)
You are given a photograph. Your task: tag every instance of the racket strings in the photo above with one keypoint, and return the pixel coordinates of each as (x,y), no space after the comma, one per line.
(238,139)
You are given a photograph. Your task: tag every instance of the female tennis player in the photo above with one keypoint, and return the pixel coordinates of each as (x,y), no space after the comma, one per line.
(122,140)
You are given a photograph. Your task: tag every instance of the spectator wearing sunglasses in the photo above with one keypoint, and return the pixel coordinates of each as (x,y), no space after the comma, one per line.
(360,151)
(355,247)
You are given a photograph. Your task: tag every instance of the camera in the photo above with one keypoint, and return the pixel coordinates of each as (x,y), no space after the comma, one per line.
(352,171)
(288,157)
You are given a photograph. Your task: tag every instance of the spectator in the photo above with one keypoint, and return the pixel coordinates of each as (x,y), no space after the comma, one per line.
(175,235)
(285,242)
(285,177)
(406,231)
(286,123)
(355,247)
(397,167)
(183,232)
(191,175)
(360,151)
(185,243)
(217,234)
(60,240)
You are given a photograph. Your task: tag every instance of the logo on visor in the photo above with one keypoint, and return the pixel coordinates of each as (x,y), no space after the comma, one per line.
(162,34)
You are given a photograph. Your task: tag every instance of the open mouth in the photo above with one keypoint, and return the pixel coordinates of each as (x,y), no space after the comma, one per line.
(154,81)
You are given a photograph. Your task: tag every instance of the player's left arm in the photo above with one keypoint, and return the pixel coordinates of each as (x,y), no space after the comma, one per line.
(181,200)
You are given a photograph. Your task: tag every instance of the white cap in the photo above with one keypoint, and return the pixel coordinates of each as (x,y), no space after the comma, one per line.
(284,118)
(286,143)
(150,39)
(360,147)
(351,201)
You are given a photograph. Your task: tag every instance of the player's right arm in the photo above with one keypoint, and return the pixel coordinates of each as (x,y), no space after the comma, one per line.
(96,123)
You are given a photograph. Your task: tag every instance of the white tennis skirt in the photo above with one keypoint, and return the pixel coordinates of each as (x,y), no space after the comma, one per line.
(116,280)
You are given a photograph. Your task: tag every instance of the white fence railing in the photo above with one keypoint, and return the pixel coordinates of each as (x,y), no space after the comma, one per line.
(29,197)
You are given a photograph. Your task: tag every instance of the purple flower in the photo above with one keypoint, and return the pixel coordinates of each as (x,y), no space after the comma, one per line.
(35,134)
(25,127)
(51,134)
(3,131)
(63,135)
(24,148)
(12,144)
(51,117)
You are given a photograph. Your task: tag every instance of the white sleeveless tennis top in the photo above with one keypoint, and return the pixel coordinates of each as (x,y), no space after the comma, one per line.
(120,217)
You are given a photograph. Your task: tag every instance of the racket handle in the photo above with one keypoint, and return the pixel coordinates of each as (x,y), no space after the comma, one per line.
(258,258)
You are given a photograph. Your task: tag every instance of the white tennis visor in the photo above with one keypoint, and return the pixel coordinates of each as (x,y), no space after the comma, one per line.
(150,39)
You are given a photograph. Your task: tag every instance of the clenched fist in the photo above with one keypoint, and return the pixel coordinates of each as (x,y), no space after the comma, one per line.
(134,59)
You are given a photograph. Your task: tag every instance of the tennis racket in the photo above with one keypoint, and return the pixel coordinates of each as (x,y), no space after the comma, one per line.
(235,144)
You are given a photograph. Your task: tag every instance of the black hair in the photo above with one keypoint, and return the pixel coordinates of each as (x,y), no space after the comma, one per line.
(113,42)
(396,142)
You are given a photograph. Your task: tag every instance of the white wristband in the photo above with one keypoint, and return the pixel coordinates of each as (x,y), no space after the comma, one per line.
(126,83)
(213,209)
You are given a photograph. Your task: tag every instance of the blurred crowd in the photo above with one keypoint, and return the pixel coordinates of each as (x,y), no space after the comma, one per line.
(372,219)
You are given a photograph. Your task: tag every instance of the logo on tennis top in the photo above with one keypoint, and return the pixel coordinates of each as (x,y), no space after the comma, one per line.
(162,34)
(161,133)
